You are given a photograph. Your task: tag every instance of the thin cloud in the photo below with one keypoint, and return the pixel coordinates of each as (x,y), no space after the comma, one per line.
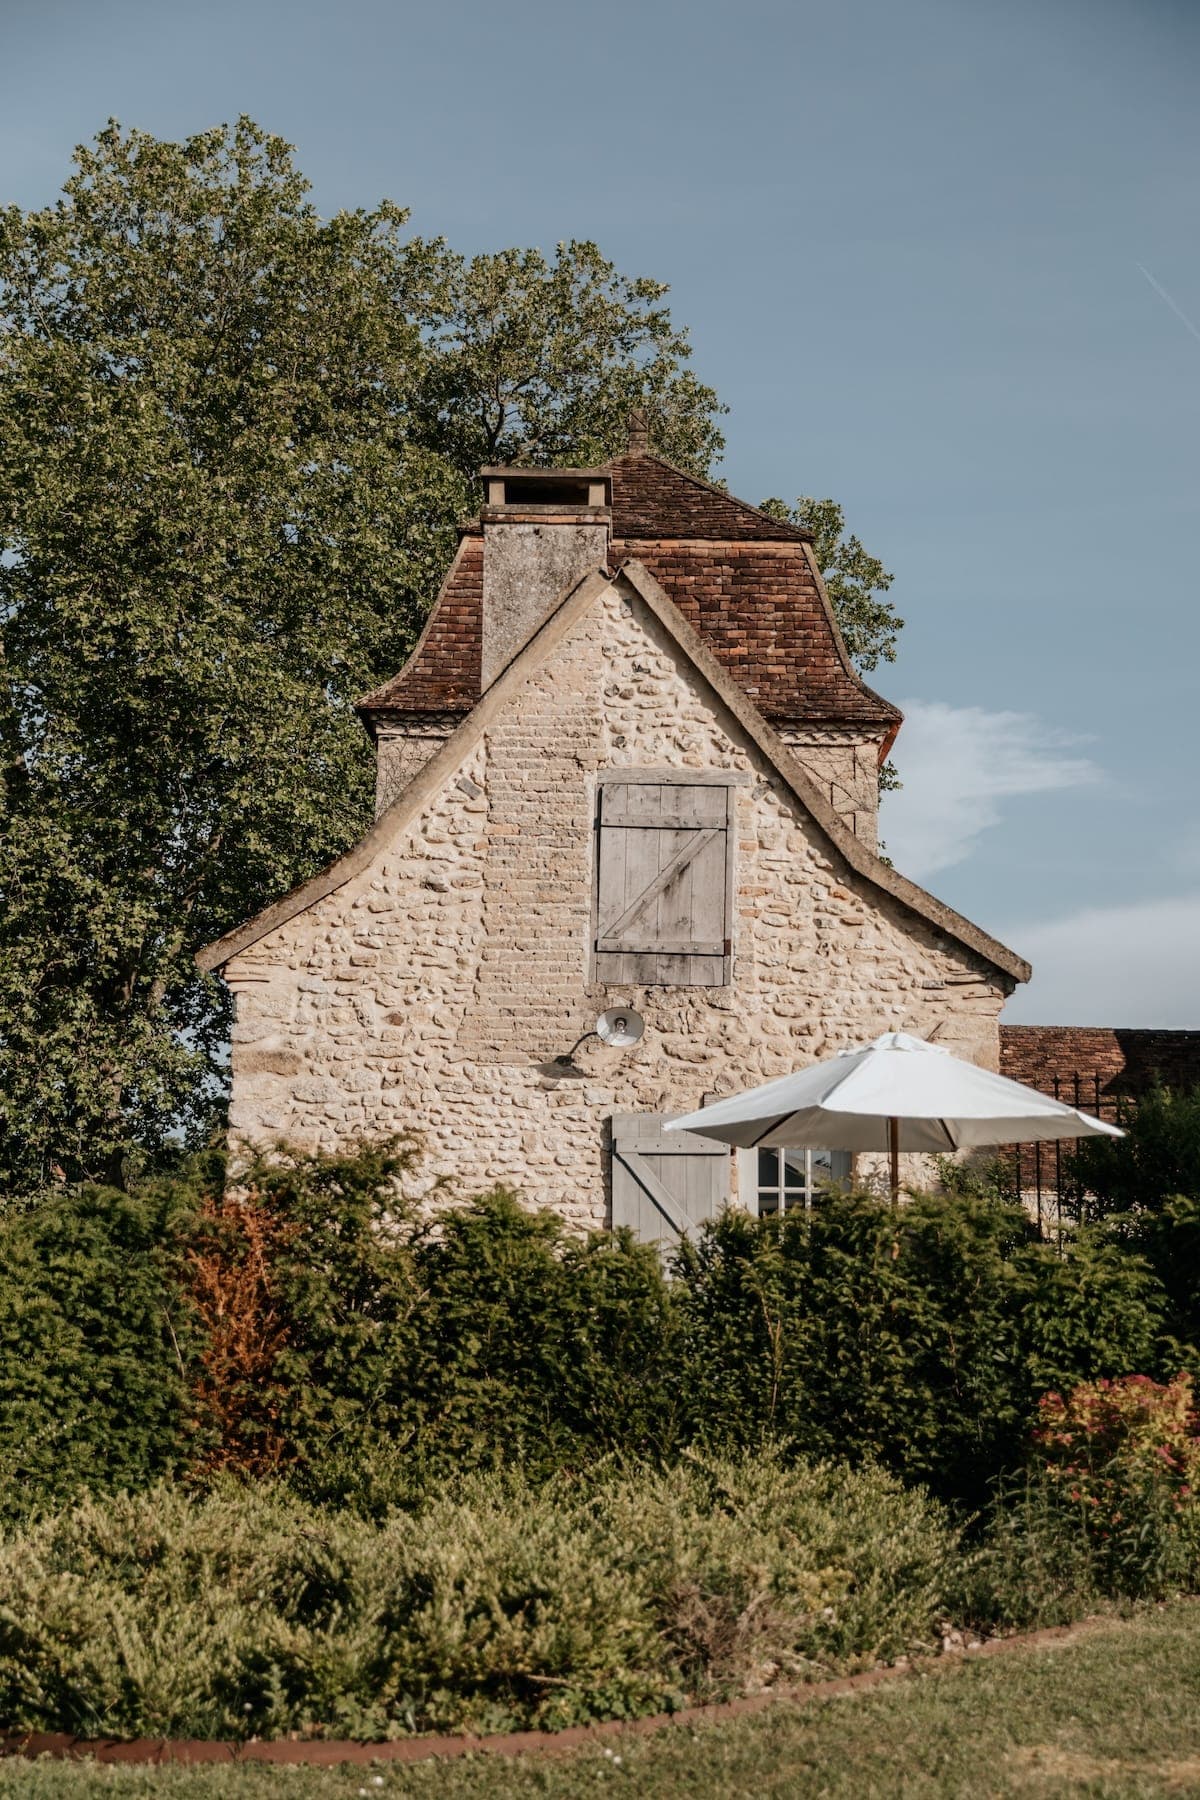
(1134,965)
(958,764)
(1164,296)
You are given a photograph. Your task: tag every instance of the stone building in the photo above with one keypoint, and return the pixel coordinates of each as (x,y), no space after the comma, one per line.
(628,765)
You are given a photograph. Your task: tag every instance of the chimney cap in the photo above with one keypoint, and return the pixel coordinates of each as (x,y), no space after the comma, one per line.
(573,493)
(547,472)
(637,439)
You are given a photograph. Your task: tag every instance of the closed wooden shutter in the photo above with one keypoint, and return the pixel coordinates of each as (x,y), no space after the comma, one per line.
(663,884)
(665,1183)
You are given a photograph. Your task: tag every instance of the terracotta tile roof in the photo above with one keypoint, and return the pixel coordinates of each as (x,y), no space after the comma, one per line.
(744,581)
(760,611)
(653,499)
(442,674)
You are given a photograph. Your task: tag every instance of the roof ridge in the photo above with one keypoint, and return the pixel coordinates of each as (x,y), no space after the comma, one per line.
(787,533)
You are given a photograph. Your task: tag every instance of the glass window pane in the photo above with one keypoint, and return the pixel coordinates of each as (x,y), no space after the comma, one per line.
(768,1168)
(794,1168)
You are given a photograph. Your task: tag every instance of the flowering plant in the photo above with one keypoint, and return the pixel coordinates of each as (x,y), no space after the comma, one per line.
(1127,1452)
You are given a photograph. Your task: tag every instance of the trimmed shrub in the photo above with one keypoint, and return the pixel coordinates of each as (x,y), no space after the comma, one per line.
(309,1322)
(380,1352)
(502,1606)
(919,1336)
(97,1341)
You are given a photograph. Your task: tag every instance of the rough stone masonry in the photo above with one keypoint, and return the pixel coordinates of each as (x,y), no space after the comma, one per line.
(425,982)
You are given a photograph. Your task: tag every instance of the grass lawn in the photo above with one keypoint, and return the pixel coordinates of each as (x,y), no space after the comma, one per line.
(1117,1712)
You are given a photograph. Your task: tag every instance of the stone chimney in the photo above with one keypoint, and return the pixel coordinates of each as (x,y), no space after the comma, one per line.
(543,531)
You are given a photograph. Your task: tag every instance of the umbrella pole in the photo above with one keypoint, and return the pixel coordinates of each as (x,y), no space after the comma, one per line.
(894,1152)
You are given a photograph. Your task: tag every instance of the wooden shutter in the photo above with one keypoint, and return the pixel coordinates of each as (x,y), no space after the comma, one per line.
(665,1183)
(663,883)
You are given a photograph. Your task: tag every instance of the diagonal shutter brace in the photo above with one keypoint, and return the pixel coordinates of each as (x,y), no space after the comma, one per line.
(682,857)
(649,1182)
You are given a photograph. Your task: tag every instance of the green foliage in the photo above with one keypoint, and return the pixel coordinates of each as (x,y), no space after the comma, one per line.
(314,1322)
(1158,1158)
(540,361)
(921,1336)
(1168,1238)
(1107,1508)
(1145,1187)
(404,1354)
(234,442)
(97,1339)
(497,1605)
(1125,1455)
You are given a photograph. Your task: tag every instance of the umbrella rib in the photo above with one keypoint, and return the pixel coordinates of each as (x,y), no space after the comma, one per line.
(771,1125)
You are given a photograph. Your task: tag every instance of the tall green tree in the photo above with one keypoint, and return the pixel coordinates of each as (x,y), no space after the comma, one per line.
(234,441)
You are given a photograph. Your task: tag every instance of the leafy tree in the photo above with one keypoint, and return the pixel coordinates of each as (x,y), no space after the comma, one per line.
(541,362)
(234,440)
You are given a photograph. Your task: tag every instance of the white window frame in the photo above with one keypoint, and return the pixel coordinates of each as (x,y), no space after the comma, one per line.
(781,1197)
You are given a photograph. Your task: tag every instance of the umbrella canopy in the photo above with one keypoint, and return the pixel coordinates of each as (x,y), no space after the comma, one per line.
(897,1093)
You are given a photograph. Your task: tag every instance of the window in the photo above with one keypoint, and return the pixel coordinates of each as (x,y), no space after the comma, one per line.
(664,880)
(777,1181)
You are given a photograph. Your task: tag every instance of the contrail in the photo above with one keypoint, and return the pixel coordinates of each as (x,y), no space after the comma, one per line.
(1163,295)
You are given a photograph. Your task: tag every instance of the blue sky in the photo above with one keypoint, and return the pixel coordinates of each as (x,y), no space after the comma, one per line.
(929,254)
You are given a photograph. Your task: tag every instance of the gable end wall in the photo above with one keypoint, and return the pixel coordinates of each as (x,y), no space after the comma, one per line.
(425,992)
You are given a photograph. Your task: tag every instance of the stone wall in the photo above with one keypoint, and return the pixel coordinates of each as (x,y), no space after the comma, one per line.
(426,991)
(844,763)
(403,745)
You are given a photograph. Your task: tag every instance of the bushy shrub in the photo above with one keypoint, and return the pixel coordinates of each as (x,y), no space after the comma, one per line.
(1167,1237)
(1125,1453)
(98,1340)
(1107,1509)
(1158,1157)
(920,1336)
(500,1605)
(310,1321)
(382,1352)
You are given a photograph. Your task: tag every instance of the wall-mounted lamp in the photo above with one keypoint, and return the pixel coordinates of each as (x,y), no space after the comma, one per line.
(618,1028)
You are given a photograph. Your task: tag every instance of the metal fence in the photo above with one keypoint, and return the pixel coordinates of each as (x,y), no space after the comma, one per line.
(1043,1176)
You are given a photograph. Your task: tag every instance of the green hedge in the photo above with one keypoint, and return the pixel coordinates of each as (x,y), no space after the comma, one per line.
(375,1355)
(922,1336)
(98,1341)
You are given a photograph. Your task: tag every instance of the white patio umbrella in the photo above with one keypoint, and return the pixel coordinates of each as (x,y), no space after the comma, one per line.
(897,1093)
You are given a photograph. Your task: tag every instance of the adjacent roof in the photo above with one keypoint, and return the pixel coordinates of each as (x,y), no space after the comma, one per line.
(747,583)
(408,804)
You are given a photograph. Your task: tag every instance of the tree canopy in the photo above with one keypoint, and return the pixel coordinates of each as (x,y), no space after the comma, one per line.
(235,440)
